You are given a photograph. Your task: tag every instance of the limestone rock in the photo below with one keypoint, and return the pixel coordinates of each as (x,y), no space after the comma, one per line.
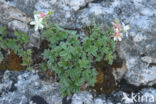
(13,17)
(18,25)
(27,89)
(82,98)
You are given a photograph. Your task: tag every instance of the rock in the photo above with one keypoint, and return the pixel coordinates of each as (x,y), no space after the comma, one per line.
(38,100)
(148,59)
(119,68)
(27,93)
(27,90)
(66,100)
(82,98)
(18,25)
(95,11)
(13,17)
(76,4)
(34,39)
(150,94)
(99,101)
(119,72)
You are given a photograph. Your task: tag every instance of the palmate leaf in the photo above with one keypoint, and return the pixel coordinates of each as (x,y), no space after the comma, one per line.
(63,53)
(63,64)
(23,38)
(29,52)
(11,43)
(63,45)
(3,45)
(44,67)
(46,53)
(2,30)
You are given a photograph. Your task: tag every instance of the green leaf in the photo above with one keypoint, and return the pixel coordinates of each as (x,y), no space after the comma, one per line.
(63,45)
(63,53)
(29,51)
(2,30)
(11,43)
(83,63)
(46,53)
(44,67)
(30,68)
(3,45)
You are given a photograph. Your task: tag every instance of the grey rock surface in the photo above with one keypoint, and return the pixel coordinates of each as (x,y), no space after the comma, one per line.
(83,97)
(28,88)
(27,85)
(139,14)
(13,17)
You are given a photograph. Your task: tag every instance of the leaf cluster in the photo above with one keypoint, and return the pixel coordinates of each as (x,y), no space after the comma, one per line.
(16,44)
(72,58)
(99,45)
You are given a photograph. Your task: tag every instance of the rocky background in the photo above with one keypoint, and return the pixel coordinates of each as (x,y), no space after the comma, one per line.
(138,48)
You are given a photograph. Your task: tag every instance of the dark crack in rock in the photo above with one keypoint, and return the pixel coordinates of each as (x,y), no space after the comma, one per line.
(38,100)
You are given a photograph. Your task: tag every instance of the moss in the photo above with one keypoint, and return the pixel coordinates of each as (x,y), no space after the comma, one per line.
(105,81)
(13,62)
(4,65)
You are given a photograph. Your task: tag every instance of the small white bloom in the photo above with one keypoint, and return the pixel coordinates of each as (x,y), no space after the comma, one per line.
(125,27)
(37,22)
(116,30)
(119,38)
(115,38)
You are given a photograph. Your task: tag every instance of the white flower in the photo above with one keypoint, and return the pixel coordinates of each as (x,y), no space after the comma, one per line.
(117,36)
(125,27)
(117,30)
(37,22)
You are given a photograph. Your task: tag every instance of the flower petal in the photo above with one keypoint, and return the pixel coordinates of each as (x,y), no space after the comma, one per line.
(115,38)
(41,26)
(32,23)
(127,27)
(40,20)
(42,14)
(36,17)
(36,28)
(117,30)
(119,38)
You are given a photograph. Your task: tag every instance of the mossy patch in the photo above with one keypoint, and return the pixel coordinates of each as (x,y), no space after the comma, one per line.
(105,81)
(4,65)
(13,62)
